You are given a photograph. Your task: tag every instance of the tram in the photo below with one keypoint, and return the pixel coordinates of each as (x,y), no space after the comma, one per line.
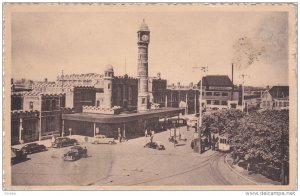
(224,145)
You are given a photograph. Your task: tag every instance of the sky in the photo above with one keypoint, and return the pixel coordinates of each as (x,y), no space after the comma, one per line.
(45,43)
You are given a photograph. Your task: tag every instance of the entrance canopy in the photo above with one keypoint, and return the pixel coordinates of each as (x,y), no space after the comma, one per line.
(123,118)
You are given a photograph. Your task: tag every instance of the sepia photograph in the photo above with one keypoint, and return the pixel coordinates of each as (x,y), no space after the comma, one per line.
(149,96)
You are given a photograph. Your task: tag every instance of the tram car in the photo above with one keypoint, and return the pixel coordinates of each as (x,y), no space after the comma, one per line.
(223,144)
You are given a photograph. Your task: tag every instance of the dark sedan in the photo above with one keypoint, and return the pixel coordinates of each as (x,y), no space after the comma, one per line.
(17,156)
(33,148)
(155,145)
(75,153)
(64,141)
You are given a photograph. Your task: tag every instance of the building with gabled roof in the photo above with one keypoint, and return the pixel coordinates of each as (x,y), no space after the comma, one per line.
(279,92)
(276,98)
(219,92)
(216,81)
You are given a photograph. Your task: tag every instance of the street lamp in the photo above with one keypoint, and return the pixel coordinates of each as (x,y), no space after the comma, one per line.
(203,70)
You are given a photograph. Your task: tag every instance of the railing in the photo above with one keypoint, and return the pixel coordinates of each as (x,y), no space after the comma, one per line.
(99,110)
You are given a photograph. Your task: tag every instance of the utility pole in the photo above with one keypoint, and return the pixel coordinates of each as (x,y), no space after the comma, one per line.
(125,67)
(62,80)
(243,91)
(202,70)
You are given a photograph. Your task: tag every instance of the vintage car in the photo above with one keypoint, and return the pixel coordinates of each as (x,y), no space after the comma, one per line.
(155,145)
(75,153)
(192,122)
(33,148)
(102,139)
(64,141)
(17,156)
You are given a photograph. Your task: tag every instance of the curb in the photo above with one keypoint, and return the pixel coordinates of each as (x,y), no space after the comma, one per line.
(244,177)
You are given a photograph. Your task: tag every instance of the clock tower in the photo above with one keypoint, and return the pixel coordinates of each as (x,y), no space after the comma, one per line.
(143,42)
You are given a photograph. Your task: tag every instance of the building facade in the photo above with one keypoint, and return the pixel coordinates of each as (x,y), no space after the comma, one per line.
(39,116)
(276,98)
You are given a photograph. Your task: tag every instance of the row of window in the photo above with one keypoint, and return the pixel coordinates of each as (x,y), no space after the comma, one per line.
(223,94)
(48,105)
(276,104)
(282,104)
(216,102)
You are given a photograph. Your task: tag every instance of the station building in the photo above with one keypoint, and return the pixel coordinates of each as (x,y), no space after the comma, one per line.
(90,104)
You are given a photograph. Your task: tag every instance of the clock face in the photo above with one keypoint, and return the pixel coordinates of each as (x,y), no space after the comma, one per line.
(145,38)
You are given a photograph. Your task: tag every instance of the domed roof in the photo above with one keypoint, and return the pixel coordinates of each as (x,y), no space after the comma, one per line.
(144,26)
(109,67)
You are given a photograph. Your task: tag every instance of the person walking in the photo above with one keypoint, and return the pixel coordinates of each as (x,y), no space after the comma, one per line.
(146,135)
(52,140)
(152,135)
(119,135)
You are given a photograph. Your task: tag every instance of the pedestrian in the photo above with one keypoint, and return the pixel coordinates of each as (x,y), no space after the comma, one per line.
(85,150)
(152,135)
(172,132)
(52,140)
(119,135)
(179,134)
(193,144)
(146,135)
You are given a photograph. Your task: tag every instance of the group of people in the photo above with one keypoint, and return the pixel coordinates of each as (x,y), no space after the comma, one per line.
(120,136)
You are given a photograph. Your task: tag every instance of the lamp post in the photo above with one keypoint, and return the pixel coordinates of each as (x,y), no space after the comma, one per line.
(203,70)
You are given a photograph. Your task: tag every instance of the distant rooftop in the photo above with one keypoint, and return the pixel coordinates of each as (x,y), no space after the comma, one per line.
(217,80)
(279,91)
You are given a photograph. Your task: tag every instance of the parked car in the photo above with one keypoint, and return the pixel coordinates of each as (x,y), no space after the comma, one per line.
(102,139)
(75,153)
(192,122)
(33,148)
(17,156)
(155,145)
(64,141)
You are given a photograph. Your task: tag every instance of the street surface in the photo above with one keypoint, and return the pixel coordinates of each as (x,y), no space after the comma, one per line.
(129,163)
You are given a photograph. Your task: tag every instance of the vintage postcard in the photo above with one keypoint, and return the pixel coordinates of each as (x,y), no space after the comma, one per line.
(158,96)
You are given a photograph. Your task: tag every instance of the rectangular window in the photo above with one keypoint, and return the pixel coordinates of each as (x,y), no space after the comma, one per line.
(216,93)
(47,105)
(208,93)
(143,100)
(31,105)
(203,93)
(53,104)
(62,102)
(208,102)
(225,94)
(224,102)
(216,102)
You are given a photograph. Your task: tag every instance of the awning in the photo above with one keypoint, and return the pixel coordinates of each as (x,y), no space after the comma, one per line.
(123,118)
